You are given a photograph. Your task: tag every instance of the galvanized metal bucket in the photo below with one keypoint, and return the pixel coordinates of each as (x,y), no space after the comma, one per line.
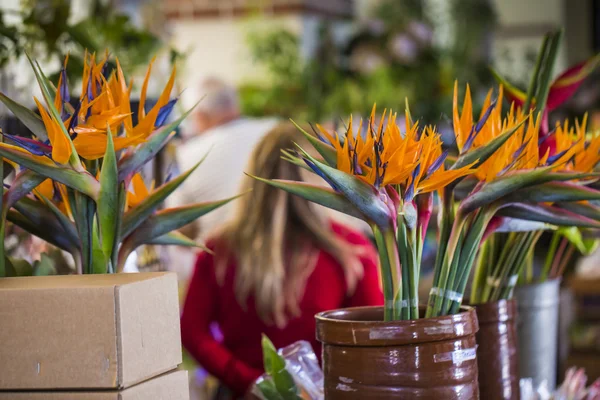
(537,327)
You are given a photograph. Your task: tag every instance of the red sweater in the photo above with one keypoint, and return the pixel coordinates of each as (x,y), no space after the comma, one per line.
(237,360)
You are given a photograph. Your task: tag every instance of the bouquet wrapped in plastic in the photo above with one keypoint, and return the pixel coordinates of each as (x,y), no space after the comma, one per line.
(293,372)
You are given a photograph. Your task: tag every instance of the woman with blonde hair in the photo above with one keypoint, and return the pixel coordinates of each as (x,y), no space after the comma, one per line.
(272,268)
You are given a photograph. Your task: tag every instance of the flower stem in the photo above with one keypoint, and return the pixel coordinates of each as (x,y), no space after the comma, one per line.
(386,274)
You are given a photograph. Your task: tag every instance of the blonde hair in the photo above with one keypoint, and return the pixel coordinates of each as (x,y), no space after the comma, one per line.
(275,235)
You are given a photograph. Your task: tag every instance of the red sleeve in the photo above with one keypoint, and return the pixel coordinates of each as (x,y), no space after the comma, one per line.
(368,290)
(199,310)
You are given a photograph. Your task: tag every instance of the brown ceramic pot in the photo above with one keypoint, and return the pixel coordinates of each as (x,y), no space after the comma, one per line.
(497,354)
(366,358)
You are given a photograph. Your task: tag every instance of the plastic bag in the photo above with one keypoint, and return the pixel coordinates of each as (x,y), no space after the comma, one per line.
(301,365)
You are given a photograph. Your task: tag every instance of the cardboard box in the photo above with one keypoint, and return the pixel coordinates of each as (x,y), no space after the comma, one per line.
(88,331)
(170,386)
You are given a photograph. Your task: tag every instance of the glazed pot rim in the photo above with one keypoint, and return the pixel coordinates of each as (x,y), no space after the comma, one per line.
(328,316)
(496,311)
(373,331)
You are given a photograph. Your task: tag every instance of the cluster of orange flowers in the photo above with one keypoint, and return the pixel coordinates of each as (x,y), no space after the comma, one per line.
(413,160)
(104,104)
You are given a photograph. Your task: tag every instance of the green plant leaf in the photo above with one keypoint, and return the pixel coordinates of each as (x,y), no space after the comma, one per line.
(99,261)
(44,266)
(80,181)
(326,151)
(511,182)
(138,214)
(521,225)
(108,200)
(64,221)
(275,368)
(24,182)
(30,119)
(47,91)
(134,160)
(171,219)
(363,196)
(317,194)
(555,192)
(177,239)
(481,154)
(268,389)
(51,233)
(586,209)
(573,235)
(548,214)
(17,267)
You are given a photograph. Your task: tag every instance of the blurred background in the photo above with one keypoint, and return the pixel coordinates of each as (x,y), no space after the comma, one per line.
(314,61)
(305,59)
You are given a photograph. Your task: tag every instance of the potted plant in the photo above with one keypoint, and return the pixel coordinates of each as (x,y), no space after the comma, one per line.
(506,259)
(387,178)
(78,186)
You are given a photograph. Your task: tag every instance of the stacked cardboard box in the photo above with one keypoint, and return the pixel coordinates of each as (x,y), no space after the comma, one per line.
(91,337)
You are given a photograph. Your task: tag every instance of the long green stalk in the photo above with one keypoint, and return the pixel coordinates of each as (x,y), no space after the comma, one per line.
(550,256)
(386,274)
(405,261)
(414,282)
(533,82)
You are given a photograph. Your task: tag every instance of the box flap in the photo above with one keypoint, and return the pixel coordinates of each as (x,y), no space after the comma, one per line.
(80,281)
(148,328)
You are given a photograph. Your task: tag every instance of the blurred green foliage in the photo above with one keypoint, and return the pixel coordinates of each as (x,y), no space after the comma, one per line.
(389,58)
(43,29)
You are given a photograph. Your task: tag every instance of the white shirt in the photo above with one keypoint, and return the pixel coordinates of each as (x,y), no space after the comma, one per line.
(229,147)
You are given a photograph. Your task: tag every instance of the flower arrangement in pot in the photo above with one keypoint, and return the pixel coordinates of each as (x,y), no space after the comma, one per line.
(78,183)
(387,178)
(506,259)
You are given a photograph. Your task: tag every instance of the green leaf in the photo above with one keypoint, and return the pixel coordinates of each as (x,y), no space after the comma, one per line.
(47,91)
(481,154)
(30,119)
(24,182)
(326,151)
(108,199)
(275,368)
(555,192)
(573,235)
(268,389)
(64,221)
(177,239)
(297,161)
(84,212)
(99,262)
(80,181)
(46,217)
(363,196)
(511,182)
(317,194)
(133,161)
(52,233)
(18,267)
(44,266)
(547,214)
(587,210)
(138,214)
(521,225)
(171,219)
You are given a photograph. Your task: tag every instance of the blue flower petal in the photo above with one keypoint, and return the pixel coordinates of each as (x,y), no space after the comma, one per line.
(164,112)
(33,146)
